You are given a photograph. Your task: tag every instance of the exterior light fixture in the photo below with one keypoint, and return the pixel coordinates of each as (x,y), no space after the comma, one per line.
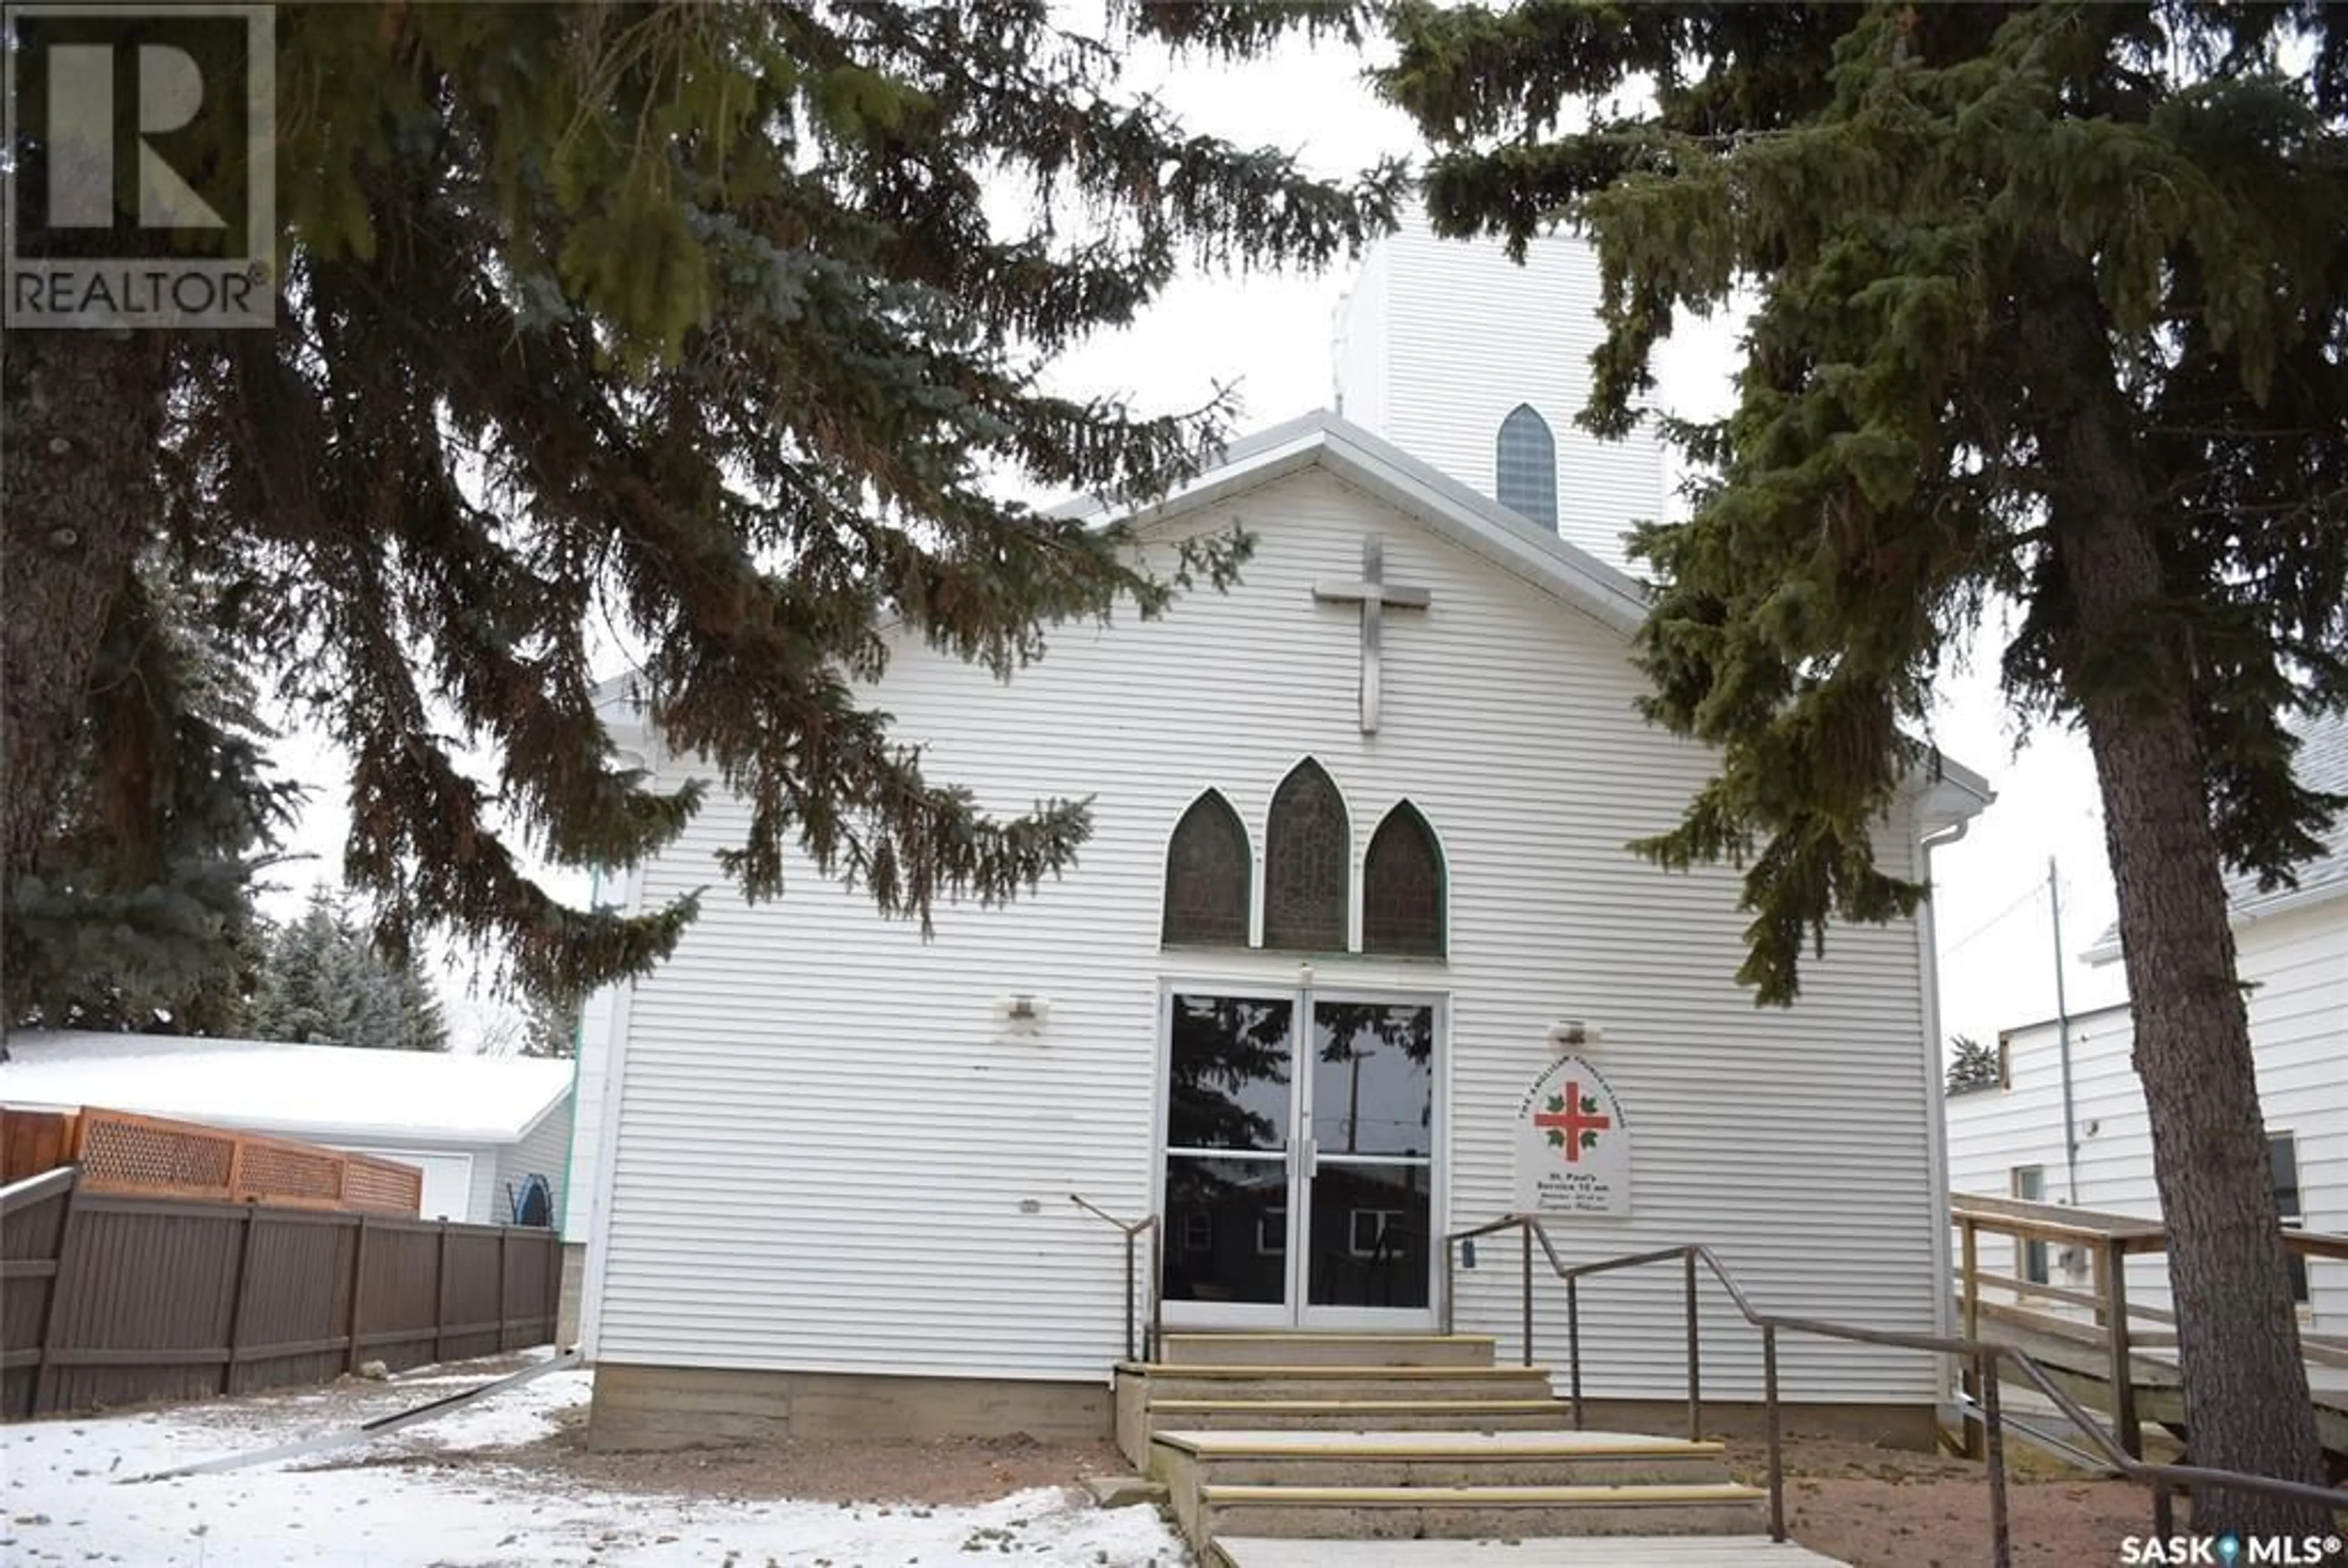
(1022,1014)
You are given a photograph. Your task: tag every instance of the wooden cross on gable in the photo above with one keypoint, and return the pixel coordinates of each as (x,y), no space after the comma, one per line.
(1374,594)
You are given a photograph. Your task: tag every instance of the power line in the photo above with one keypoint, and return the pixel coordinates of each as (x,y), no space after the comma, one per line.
(2028,895)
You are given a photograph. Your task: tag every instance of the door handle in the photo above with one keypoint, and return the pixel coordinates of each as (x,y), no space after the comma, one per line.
(1312,1151)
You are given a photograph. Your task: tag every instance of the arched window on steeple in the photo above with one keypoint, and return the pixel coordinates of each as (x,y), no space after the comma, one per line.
(1308,850)
(1524,467)
(1402,887)
(1208,870)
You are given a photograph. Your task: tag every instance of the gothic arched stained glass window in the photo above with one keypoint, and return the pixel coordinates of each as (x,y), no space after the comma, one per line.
(1524,467)
(1307,859)
(1402,887)
(1208,871)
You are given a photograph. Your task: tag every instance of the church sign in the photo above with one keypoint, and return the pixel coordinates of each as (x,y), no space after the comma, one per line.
(1573,1145)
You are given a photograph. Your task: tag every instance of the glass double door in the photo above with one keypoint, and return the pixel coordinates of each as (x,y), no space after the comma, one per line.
(1300,1159)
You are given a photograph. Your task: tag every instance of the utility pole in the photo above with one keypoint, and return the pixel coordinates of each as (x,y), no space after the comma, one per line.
(2063,1039)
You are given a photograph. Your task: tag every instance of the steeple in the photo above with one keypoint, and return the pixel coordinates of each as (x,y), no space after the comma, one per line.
(1468,361)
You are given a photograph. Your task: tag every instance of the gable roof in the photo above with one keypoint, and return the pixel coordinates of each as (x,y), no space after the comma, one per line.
(2322,764)
(1447,507)
(1474,522)
(329,1093)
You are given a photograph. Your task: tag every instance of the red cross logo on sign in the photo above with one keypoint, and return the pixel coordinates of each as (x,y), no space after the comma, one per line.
(1573,1120)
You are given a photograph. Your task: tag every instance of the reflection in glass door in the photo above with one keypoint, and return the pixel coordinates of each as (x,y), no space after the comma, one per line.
(1229,1115)
(1300,1162)
(1371,1161)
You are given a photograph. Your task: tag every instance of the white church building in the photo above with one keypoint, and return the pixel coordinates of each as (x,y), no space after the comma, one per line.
(1356,888)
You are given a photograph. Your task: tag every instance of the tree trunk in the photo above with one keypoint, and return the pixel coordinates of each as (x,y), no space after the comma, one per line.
(80,416)
(2130,669)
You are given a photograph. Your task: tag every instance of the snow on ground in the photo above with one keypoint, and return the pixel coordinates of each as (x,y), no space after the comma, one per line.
(70,1495)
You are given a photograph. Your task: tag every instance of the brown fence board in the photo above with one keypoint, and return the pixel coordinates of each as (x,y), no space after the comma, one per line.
(115,1300)
(33,1143)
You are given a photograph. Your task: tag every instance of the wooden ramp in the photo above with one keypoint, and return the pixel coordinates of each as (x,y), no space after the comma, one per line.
(2112,1355)
(2079,1354)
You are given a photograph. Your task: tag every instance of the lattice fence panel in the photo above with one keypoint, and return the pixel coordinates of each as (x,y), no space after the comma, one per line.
(289,1172)
(382,1186)
(121,1153)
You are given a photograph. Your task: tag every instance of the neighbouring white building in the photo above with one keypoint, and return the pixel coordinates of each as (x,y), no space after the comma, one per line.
(2292,947)
(478,1127)
(1356,885)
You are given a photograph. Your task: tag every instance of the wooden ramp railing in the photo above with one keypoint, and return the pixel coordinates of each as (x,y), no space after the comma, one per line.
(2098,1349)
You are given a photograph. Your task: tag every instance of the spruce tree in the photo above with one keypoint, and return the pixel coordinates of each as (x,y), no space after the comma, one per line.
(1972,1065)
(325,982)
(2052,302)
(708,331)
(136,912)
(552,1028)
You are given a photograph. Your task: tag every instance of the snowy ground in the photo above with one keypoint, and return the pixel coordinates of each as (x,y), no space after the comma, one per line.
(70,1495)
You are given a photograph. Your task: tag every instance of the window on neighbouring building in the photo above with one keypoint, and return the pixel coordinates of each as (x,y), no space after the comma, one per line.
(1369,1230)
(2283,1160)
(1524,467)
(2029,1183)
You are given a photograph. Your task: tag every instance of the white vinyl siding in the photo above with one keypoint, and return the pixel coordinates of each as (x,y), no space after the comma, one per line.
(828,1158)
(544,1151)
(2297,967)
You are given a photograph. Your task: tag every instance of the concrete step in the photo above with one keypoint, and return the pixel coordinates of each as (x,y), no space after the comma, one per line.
(1471,1513)
(1541,1415)
(1226,1381)
(1328,1349)
(1548,1552)
(1390,1459)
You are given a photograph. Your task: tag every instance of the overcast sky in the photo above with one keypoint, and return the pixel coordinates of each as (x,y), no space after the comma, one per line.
(1270,334)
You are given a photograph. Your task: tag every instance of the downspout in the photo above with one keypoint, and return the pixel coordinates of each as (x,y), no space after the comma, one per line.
(1936,1135)
(577,1040)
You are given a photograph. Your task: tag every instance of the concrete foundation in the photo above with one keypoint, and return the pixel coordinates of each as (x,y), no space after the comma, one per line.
(639,1407)
(574,1280)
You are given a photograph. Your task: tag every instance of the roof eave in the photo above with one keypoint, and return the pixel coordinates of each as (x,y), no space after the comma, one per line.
(2265,906)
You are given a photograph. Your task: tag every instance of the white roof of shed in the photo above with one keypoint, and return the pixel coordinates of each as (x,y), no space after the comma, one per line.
(329,1093)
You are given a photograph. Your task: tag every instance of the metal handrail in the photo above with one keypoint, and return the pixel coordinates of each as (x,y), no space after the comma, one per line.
(1152,1334)
(1985,1355)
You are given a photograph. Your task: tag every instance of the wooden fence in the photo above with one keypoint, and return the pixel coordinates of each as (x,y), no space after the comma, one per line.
(108,1299)
(122,1152)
